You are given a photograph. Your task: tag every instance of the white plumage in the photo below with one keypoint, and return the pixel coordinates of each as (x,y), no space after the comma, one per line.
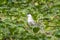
(30,20)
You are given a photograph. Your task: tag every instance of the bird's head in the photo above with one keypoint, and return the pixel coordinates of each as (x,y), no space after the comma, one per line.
(29,15)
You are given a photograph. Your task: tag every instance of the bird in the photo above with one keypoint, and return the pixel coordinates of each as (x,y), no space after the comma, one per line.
(30,20)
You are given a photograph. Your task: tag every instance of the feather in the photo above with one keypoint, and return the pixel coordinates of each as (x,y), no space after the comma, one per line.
(30,20)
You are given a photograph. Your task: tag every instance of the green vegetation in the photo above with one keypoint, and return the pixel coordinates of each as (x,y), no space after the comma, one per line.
(13,19)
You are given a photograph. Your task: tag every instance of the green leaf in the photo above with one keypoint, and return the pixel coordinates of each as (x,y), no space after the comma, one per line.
(36,29)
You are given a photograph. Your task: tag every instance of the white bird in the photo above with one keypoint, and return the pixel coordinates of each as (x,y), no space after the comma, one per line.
(30,20)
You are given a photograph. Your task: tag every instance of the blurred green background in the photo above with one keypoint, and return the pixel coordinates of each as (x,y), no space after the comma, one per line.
(13,19)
